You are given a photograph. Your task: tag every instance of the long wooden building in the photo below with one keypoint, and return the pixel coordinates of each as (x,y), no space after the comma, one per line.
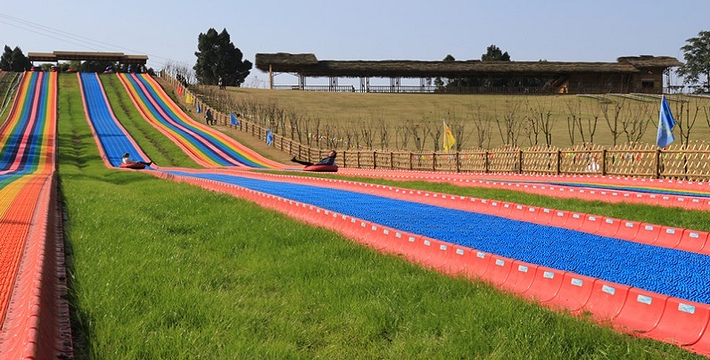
(119,57)
(630,74)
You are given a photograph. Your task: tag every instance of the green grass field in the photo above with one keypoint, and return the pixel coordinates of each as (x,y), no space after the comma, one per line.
(343,113)
(160,270)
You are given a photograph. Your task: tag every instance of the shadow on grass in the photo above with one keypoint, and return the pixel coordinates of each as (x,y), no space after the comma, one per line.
(81,319)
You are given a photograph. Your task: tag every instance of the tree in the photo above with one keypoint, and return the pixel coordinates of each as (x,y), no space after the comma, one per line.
(635,121)
(612,114)
(218,57)
(482,126)
(697,59)
(686,114)
(541,119)
(493,53)
(14,60)
(511,125)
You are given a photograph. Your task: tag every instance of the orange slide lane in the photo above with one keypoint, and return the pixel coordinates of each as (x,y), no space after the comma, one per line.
(29,275)
(20,198)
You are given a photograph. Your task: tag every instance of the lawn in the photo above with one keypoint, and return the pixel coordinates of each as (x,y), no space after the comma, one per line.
(160,270)
(475,119)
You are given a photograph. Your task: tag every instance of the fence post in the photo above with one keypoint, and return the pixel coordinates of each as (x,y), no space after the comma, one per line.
(411,160)
(344,157)
(358,160)
(433,161)
(520,159)
(374,159)
(391,160)
(559,162)
(458,162)
(486,162)
(603,162)
(658,163)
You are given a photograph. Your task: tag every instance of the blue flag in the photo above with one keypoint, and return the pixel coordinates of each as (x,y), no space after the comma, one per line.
(199,110)
(269,137)
(235,121)
(665,125)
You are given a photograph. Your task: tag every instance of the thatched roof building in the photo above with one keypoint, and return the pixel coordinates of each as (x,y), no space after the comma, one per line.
(88,56)
(623,73)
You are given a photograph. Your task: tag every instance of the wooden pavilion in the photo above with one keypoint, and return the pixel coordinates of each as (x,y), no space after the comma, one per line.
(119,57)
(630,74)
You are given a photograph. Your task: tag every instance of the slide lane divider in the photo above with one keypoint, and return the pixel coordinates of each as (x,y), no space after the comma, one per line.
(701,188)
(628,309)
(655,196)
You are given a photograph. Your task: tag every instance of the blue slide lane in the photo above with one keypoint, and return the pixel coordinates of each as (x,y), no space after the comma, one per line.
(680,274)
(113,140)
(617,188)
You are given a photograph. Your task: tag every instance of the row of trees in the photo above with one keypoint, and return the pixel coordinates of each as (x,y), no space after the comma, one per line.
(696,53)
(219,61)
(517,121)
(14,60)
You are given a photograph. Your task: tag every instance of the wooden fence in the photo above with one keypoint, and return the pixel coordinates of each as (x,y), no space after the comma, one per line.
(635,159)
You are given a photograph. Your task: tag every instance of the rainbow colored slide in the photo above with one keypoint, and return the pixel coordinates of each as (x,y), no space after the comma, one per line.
(208,147)
(31,311)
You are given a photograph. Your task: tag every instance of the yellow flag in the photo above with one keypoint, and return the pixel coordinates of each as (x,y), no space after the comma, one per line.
(449,139)
(188,98)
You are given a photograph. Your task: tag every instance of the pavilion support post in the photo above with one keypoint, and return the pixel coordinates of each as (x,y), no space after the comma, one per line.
(271,78)
(301,82)
(364,84)
(333,84)
(395,84)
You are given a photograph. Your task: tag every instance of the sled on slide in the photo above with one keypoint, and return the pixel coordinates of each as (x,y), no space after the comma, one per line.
(321,168)
(138,166)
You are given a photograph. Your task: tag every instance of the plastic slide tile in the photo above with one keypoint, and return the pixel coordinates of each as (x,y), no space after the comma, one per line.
(682,322)
(641,312)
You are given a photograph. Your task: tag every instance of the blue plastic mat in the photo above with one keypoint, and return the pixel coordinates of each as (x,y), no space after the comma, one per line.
(113,140)
(680,274)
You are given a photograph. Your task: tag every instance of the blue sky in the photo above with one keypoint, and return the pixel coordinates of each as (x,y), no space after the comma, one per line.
(529,30)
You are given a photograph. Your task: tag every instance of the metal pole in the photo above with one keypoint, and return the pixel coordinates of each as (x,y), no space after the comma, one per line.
(271,78)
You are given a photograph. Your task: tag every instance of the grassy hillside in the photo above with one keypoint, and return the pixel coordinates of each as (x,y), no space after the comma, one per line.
(160,270)
(343,113)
